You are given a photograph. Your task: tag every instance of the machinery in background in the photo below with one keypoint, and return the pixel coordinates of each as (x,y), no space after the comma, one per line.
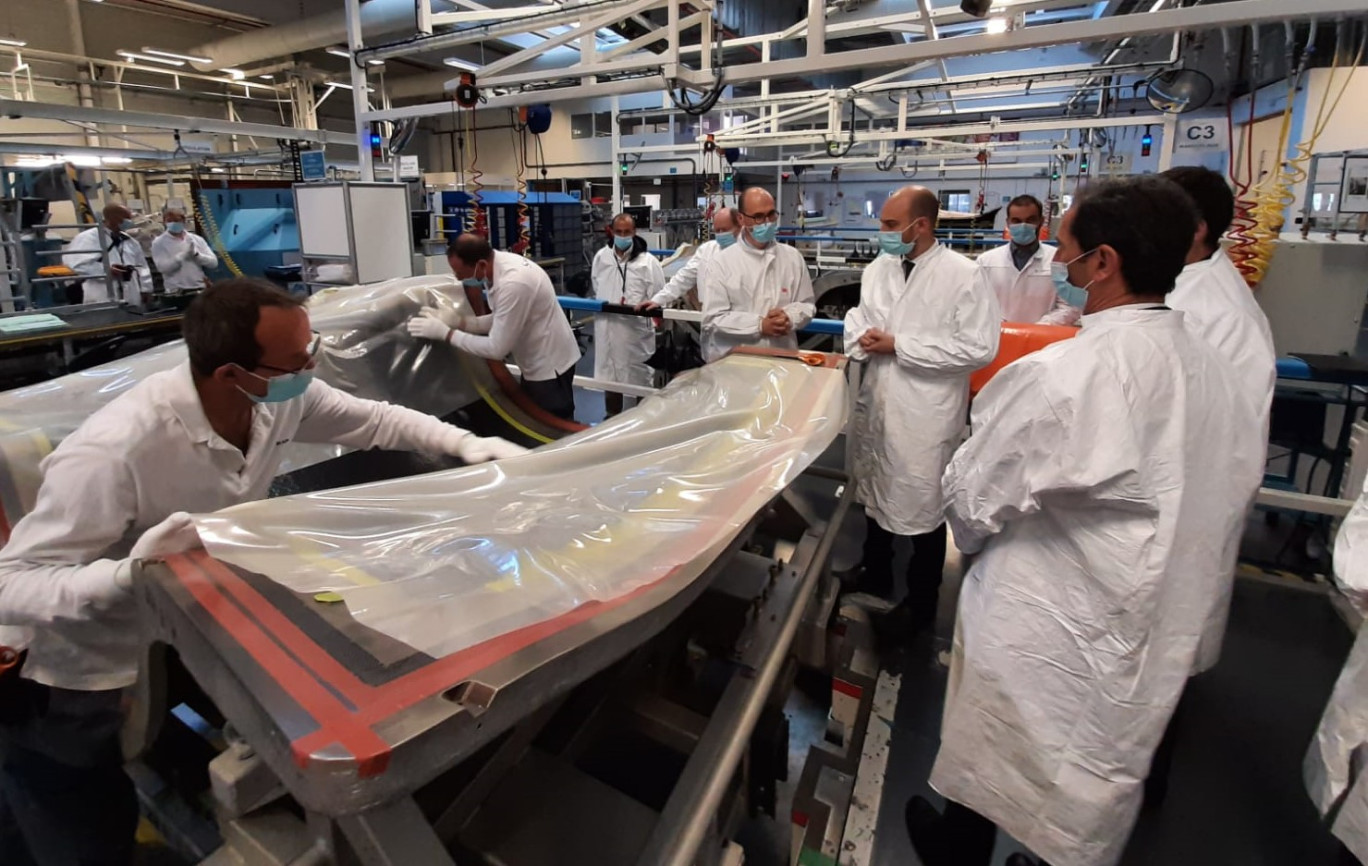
(555,223)
(250,224)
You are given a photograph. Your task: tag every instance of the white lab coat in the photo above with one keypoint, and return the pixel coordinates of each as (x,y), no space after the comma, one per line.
(1219,307)
(90,264)
(1102,477)
(911,409)
(183,260)
(743,284)
(142,457)
(526,322)
(686,277)
(1026,296)
(623,343)
(1335,764)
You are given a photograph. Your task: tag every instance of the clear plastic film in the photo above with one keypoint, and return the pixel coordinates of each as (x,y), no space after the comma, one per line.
(447,560)
(366,351)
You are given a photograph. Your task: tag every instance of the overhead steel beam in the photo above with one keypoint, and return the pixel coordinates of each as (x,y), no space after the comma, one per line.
(552,17)
(656,35)
(10,108)
(589,27)
(1052,125)
(1203,17)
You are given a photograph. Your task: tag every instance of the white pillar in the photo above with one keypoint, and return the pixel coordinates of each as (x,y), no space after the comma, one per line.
(617,159)
(358,83)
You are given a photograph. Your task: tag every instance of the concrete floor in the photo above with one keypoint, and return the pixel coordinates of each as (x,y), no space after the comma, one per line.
(1236,797)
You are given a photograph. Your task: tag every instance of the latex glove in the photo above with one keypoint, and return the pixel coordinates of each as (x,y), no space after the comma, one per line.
(175,534)
(428,326)
(479,449)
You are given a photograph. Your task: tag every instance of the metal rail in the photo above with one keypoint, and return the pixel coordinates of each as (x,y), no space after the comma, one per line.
(683,824)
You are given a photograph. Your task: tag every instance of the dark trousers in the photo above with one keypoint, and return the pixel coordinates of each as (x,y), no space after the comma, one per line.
(924,569)
(970,836)
(556,396)
(1161,765)
(64,797)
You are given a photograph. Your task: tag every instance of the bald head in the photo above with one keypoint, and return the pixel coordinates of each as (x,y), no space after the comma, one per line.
(911,213)
(726,221)
(115,214)
(756,201)
(759,219)
(915,202)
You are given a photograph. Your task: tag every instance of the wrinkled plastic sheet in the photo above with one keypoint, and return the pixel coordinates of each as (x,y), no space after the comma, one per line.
(366,351)
(448,560)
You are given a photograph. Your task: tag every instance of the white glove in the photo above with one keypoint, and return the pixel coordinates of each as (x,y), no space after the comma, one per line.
(175,534)
(428,326)
(189,251)
(479,449)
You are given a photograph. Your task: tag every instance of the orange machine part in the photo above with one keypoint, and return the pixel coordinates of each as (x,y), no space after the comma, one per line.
(1018,341)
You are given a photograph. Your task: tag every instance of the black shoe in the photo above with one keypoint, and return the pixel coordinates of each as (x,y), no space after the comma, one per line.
(926,829)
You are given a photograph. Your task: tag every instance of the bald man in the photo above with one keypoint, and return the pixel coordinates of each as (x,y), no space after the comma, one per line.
(927,318)
(127,264)
(758,290)
(726,225)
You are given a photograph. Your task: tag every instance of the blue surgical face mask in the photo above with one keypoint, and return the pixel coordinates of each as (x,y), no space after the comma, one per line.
(475,283)
(280,389)
(726,239)
(765,232)
(175,228)
(1023,234)
(125,225)
(1066,290)
(623,243)
(891,243)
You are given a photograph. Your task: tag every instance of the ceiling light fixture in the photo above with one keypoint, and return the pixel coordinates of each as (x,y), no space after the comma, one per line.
(16,43)
(996,25)
(130,55)
(235,74)
(338,52)
(458,63)
(375,63)
(192,58)
(116,160)
(267,77)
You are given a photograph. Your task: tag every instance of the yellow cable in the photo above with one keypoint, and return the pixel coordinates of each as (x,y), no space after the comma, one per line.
(1275,194)
(217,236)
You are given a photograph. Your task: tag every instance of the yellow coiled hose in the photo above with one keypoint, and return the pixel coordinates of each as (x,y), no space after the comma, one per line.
(1275,195)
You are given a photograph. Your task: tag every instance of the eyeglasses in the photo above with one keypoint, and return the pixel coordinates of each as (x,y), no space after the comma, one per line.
(772,216)
(314,345)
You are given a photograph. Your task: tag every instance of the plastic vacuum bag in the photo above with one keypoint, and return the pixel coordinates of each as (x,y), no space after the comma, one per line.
(447,560)
(366,351)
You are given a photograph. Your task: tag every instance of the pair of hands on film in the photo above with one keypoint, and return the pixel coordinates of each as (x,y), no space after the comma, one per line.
(434,324)
(876,342)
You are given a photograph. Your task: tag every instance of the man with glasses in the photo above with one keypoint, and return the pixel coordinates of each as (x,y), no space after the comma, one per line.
(926,320)
(203,436)
(758,290)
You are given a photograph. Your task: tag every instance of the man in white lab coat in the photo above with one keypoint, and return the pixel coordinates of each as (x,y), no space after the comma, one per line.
(1219,308)
(127,264)
(203,436)
(1019,271)
(759,292)
(1333,768)
(926,320)
(726,226)
(526,321)
(182,256)
(623,272)
(1103,476)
